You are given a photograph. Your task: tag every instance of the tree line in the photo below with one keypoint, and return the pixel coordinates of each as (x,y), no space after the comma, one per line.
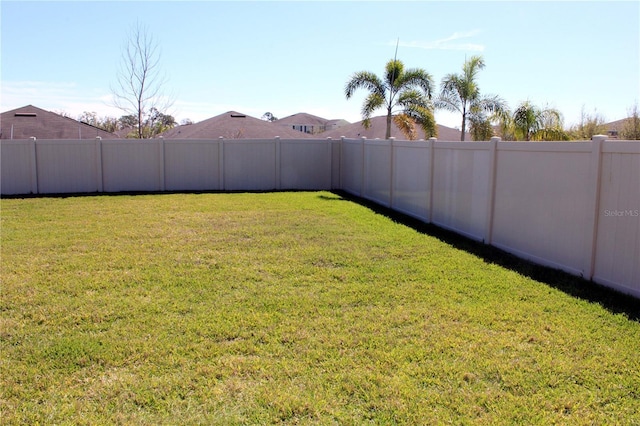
(153,124)
(409,99)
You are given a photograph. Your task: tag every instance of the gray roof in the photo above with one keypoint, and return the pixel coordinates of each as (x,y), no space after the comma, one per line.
(378,129)
(304,119)
(232,125)
(28,121)
(338,122)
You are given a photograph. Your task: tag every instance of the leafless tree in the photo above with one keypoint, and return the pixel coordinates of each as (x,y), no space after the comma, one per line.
(140,87)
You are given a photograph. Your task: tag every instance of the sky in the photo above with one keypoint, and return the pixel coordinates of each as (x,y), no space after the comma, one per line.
(290,57)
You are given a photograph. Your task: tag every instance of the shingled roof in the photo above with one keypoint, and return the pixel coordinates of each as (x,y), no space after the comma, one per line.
(28,121)
(232,125)
(309,123)
(378,129)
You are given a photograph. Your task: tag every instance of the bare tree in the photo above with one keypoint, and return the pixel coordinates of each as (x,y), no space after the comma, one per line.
(589,126)
(140,83)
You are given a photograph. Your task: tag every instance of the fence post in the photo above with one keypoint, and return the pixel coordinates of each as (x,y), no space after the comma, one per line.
(432,142)
(221,183)
(595,172)
(488,229)
(391,169)
(340,163)
(161,165)
(34,165)
(99,177)
(362,169)
(330,150)
(277,164)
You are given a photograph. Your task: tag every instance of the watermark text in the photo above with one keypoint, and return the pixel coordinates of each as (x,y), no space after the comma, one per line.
(621,213)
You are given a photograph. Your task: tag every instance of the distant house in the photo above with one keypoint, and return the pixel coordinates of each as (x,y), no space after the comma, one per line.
(614,129)
(378,129)
(232,125)
(30,121)
(310,124)
(336,124)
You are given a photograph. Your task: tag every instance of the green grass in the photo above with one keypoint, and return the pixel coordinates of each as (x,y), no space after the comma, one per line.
(293,308)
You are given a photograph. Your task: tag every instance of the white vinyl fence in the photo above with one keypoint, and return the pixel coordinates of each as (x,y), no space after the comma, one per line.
(572,206)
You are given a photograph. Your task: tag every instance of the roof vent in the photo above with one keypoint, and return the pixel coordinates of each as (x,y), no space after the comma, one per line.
(25,114)
(238,116)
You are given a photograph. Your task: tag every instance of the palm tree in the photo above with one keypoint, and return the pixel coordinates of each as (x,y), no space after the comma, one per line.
(531,123)
(460,93)
(409,90)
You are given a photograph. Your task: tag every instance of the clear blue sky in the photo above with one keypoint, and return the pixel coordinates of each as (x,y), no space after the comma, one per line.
(288,57)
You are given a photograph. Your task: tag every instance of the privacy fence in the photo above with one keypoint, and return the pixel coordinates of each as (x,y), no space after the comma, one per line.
(573,206)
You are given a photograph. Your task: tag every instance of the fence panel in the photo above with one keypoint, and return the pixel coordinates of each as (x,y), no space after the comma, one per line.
(336,162)
(411,178)
(461,187)
(617,262)
(18,167)
(132,165)
(543,202)
(377,171)
(305,165)
(352,165)
(68,166)
(192,165)
(250,165)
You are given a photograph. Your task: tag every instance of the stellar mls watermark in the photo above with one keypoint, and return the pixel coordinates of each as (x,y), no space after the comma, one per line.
(622,213)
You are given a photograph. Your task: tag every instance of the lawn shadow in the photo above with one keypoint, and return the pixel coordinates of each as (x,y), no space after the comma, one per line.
(572,285)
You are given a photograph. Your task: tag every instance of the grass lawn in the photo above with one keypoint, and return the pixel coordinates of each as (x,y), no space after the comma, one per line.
(302,307)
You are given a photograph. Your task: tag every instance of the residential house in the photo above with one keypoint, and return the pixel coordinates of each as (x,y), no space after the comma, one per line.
(310,124)
(615,128)
(232,125)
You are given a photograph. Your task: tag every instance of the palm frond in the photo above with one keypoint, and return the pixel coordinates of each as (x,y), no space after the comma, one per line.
(393,72)
(424,117)
(371,103)
(551,134)
(412,97)
(449,101)
(472,66)
(491,104)
(365,80)
(416,77)
(450,83)
(407,126)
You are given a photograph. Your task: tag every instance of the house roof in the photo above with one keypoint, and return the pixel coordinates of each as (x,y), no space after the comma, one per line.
(304,119)
(378,129)
(338,123)
(617,125)
(232,125)
(28,121)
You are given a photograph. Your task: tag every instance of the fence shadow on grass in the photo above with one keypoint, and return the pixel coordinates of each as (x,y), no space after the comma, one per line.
(577,287)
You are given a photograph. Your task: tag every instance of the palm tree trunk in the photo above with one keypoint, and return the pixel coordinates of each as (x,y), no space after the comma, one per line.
(388,135)
(464,122)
